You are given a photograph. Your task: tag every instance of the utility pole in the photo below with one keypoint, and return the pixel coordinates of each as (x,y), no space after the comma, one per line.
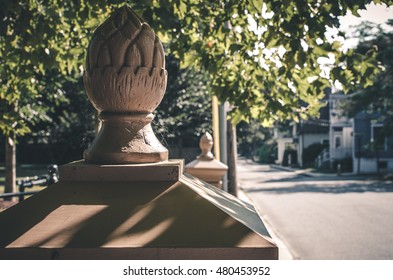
(223,141)
(216,129)
(232,159)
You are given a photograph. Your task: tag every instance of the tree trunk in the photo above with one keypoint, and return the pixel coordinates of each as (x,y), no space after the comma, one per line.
(232,158)
(10,163)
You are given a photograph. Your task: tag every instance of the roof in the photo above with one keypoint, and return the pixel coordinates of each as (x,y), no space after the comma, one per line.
(314,127)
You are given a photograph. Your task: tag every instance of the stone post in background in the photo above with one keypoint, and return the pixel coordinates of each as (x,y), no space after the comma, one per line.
(206,167)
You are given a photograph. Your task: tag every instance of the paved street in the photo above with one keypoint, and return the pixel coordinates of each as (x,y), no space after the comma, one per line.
(323,217)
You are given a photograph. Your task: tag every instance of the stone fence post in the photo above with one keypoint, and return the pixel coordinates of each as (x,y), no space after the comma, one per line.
(206,167)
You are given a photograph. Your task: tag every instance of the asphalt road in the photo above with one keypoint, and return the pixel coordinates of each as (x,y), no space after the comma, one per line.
(323,217)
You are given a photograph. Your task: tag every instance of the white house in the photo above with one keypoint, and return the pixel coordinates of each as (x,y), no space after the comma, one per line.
(340,129)
(359,140)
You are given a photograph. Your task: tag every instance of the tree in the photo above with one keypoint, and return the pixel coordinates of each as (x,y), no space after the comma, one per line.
(257,142)
(38,40)
(377,99)
(247,46)
(68,128)
(185,111)
(251,137)
(261,56)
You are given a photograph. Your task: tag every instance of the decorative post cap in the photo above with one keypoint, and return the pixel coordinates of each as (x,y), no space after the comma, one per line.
(206,144)
(205,166)
(125,80)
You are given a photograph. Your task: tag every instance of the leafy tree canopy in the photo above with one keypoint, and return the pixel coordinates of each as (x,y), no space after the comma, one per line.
(377,99)
(262,56)
(185,111)
(42,43)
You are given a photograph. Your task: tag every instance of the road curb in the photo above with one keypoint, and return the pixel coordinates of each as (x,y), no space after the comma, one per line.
(284,253)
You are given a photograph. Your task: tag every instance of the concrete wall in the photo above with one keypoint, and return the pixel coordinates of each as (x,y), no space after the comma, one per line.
(309,139)
(369,166)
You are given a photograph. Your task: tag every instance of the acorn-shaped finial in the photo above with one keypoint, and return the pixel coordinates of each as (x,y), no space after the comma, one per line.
(125,65)
(125,79)
(206,144)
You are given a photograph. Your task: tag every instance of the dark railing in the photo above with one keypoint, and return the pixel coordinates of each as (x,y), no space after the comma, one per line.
(26,183)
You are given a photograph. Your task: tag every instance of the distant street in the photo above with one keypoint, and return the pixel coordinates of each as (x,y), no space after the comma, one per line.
(323,217)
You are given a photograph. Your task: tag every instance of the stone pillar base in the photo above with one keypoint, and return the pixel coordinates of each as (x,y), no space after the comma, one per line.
(141,211)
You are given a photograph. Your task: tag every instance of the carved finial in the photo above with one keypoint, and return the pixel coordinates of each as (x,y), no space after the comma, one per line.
(125,79)
(206,144)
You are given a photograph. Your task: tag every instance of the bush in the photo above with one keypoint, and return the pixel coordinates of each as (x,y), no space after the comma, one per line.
(345,163)
(267,153)
(311,152)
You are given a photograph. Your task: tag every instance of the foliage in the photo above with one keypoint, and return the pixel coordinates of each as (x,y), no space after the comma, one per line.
(345,164)
(256,142)
(67,132)
(251,136)
(40,43)
(263,57)
(185,111)
(267,153)
(377,99)
(311,152)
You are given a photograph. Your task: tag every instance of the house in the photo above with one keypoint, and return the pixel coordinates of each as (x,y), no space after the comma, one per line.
(359,139)
(372,150)
(340,130)
(312,134)
(356,144)
(284,142)
(303,136)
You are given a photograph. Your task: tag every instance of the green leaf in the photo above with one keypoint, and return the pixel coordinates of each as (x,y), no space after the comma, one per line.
(257,4)
(188,60)
(281,70)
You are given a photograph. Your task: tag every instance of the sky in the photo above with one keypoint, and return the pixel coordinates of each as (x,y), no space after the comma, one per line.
(374,13)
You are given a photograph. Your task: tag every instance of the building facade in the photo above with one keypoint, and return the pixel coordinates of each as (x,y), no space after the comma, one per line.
(359,143)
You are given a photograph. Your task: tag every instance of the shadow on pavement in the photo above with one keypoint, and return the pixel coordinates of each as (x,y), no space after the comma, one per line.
(305,178)
(340,188)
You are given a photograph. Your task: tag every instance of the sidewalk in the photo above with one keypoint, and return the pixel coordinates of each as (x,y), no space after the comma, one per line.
(283,251)
(309,172)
